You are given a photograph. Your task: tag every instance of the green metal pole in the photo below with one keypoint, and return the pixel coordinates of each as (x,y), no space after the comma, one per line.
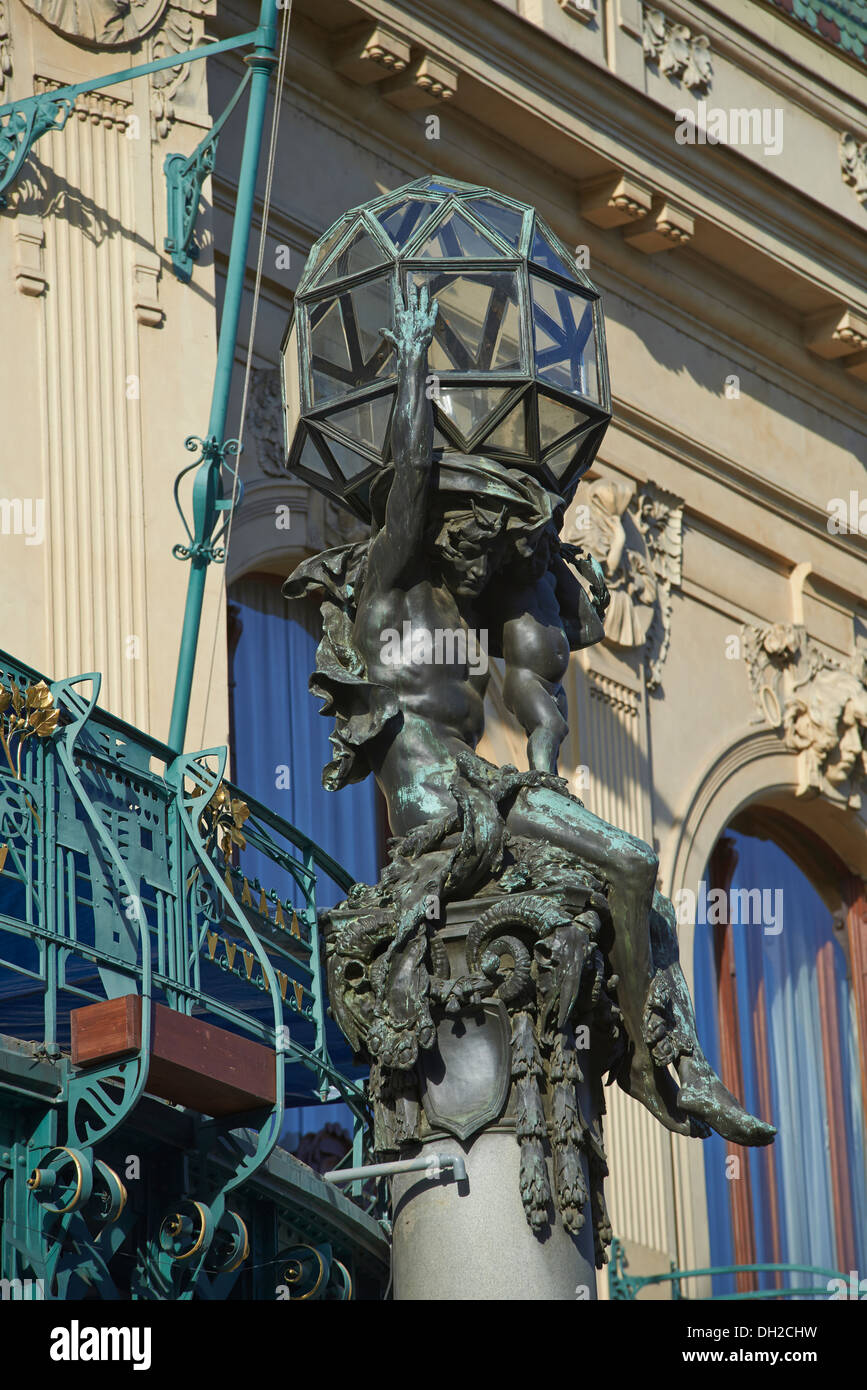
(207,486)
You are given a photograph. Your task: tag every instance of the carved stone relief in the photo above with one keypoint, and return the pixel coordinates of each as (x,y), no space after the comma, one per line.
(637,537)
(679,53)
(818,704)
(5,46)
(853,165)
(176,89)
(265,449)
(102,23)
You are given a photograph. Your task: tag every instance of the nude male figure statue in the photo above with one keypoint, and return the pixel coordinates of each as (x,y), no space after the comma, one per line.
(461,543)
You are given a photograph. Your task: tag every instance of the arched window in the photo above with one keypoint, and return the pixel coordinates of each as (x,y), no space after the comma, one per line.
(777,1016)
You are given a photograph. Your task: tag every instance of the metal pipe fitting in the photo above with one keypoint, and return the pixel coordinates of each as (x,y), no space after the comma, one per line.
(433,1165)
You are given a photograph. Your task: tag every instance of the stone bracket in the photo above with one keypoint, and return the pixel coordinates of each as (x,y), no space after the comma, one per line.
(668,225)
(145,275)
(365,54)
(30,278)
(614,200)
(837,332)
(427,78)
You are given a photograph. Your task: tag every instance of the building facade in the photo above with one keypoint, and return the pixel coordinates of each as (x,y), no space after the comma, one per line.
(708,163)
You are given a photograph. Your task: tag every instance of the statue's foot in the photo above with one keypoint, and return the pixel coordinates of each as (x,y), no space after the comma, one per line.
(704,1096)
(658,1091)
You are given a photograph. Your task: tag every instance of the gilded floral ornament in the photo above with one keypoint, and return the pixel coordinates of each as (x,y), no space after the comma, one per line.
(224,813)
(23,714)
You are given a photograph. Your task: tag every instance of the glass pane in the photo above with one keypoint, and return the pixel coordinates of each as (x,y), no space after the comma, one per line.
(544,252)
(511,432)
(367,421)
(469,408)
(348,461)
(360,253)
(557,419)
(505,220)
(564,339)
(561,460)
(291,384)
(440,441)
(457,236)
(436,185)
(477,327)
(401,221)
(311,459)
(324,247)
(346,343)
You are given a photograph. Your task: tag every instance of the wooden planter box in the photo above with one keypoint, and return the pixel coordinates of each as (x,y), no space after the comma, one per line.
(192,1063)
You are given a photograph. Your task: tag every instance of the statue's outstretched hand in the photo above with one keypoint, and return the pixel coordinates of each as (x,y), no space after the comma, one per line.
(414,319)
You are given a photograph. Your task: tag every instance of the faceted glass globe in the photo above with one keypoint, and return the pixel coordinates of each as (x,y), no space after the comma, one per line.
(518,369)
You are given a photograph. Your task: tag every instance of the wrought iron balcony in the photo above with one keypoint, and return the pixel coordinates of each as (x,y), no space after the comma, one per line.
(134,875)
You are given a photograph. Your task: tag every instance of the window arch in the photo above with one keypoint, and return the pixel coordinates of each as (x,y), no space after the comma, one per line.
(778,1016)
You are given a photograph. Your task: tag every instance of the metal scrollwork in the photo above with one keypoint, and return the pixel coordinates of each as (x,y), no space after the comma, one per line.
(211,451)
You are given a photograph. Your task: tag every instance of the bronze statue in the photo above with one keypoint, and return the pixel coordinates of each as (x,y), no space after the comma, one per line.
(464,545)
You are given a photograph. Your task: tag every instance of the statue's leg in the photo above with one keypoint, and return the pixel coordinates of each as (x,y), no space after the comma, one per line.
(540,709)
(652,992)
(671,1029)
(631,867)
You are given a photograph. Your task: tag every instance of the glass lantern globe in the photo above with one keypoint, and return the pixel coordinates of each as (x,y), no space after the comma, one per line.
(518,368)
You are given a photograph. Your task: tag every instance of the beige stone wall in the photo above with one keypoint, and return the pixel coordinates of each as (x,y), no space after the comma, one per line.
(107,367)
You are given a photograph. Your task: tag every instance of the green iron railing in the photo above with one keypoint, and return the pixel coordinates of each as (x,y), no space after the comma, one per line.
(623,1286)
(122,871)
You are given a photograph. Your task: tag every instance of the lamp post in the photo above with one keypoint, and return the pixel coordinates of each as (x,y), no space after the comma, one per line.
(209,502)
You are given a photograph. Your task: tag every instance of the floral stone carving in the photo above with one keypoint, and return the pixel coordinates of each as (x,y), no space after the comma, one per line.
(636,535)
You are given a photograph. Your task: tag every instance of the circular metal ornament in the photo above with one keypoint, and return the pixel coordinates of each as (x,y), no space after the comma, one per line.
(186,1231)
(63,1181)
(109,1193)
(231,1245)
(305,1271)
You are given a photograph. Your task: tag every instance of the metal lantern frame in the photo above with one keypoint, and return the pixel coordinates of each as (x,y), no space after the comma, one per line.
(317,445)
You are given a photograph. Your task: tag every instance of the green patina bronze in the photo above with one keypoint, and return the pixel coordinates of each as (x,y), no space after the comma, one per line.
(570,933)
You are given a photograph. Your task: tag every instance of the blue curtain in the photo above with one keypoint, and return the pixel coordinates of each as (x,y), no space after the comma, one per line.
(277,725)
(786,963)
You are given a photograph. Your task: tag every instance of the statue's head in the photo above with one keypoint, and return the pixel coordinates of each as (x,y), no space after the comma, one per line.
(482,517)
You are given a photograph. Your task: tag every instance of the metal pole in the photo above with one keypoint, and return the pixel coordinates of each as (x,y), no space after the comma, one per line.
(207,486)
(434,1165)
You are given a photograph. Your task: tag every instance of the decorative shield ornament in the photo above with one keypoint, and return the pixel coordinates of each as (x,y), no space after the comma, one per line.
(464,1078)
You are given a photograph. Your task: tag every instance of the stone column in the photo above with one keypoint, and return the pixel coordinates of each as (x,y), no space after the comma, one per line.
(471,1239)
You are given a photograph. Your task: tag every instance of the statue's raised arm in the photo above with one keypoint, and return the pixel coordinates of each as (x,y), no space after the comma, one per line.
(396,547)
